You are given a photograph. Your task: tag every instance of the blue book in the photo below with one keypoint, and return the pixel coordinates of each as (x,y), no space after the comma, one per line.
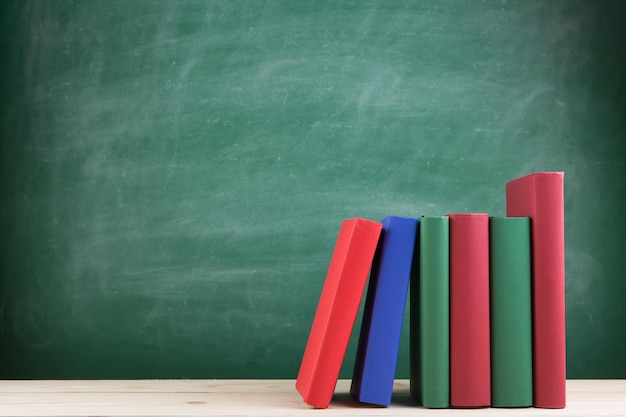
(381,327)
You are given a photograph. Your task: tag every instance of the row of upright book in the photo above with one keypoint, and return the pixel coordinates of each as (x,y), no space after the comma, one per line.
(487,305)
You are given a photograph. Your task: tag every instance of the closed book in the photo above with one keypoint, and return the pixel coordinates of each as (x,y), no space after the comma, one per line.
(434,281)
(381,327)
(337,310)
(511,315)
(415,373)
(470,360)
(540,196)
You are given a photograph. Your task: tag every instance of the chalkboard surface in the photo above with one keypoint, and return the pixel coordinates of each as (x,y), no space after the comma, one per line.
(174,173)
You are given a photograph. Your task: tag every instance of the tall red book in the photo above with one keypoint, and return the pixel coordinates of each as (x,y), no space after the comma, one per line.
(540,197)
(470,355)
(337,310)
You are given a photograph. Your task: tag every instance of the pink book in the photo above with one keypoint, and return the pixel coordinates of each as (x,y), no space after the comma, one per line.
(337,310)
(540,196)
(470,353)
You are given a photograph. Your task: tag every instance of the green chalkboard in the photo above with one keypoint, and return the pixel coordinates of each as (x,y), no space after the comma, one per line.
(174,173)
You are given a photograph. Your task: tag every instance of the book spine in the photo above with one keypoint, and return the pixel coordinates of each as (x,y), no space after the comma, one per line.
(381,328)
(511,317)
(540,196)
(470,372)
(337,310)
(434,281)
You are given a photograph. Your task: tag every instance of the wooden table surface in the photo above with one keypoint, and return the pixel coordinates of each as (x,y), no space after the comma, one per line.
(260,398)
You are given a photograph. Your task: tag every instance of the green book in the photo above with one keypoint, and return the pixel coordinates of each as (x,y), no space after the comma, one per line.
(511,325)
(434,281)
(414,329)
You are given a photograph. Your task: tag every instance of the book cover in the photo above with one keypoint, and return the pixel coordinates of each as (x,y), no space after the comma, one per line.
(434,304)
(511,315)
(540,197)
(381,328)
(336,311)
(415,373)
(470,360)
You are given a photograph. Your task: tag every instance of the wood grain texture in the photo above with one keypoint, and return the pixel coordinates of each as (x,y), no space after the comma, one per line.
(258,398)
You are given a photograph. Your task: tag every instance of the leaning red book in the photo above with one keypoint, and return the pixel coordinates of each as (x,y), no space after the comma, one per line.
(337,310)
(540,197)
